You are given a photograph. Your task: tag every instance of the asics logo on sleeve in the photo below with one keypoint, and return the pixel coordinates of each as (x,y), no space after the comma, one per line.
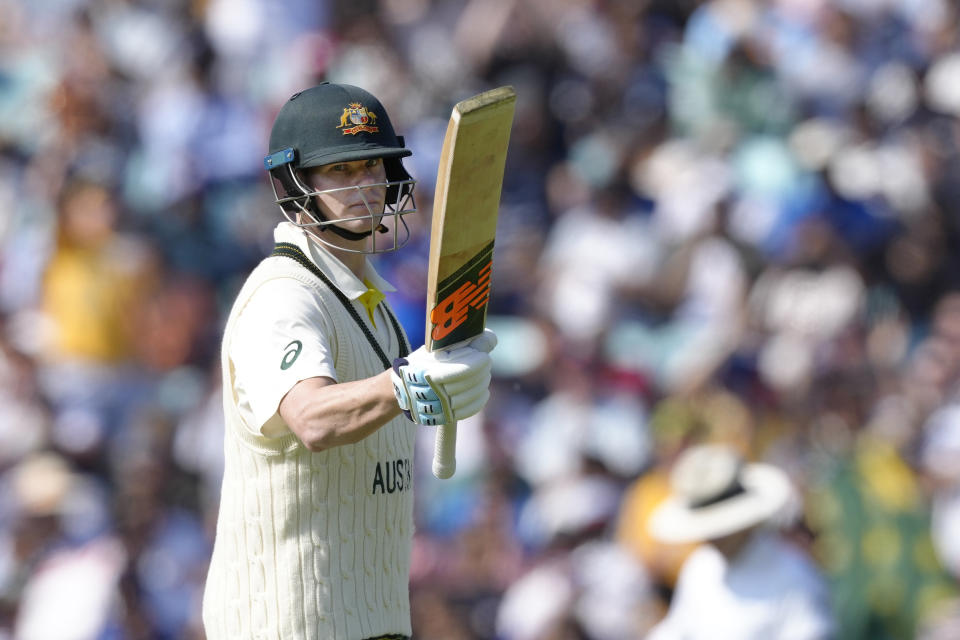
(292,353)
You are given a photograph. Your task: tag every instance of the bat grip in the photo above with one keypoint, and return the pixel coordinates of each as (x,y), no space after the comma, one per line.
(445,451)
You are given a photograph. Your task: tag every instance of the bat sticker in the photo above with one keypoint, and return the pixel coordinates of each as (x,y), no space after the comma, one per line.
(463,295)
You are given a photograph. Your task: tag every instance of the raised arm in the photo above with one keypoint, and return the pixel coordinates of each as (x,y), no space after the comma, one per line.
(324,413)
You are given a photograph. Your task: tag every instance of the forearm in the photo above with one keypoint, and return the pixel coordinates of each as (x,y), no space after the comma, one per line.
(324,414)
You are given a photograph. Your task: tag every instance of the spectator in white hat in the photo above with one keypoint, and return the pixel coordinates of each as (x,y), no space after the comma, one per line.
(747,582)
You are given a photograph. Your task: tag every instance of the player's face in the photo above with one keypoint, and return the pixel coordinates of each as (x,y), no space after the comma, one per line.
(362,202)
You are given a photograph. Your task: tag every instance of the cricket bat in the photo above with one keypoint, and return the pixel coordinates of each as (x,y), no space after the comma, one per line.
(465,207)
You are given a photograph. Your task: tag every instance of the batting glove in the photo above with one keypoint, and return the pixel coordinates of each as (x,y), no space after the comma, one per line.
(434,388)
(485,342)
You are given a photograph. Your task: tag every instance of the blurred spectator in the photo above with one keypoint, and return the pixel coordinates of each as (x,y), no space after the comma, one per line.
(71,564)
(873,538)
(594,253)
(745,581)
(583,585)
(92,279)
(868,503)
(708,416)
(94,288)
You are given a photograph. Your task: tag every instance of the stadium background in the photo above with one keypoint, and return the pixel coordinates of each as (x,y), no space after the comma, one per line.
(722,220)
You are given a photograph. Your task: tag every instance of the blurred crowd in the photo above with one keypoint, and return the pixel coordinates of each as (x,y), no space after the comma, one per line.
(729,221)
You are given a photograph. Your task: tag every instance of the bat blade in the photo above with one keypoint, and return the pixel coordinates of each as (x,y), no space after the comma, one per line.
(463,230)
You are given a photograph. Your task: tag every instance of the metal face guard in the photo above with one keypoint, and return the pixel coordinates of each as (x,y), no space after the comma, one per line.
(403,205)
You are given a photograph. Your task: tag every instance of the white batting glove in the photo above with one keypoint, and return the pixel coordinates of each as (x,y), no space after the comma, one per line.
(485,342)
(434,388)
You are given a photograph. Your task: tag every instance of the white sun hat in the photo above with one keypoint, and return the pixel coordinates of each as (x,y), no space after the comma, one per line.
(714,493)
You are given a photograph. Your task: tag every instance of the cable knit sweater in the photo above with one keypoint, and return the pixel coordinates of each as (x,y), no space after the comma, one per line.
(311,545)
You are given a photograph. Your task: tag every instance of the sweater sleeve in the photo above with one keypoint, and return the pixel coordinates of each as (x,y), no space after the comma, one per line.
(282,336)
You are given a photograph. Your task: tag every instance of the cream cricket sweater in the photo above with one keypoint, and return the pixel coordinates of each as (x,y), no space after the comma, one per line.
(311,546)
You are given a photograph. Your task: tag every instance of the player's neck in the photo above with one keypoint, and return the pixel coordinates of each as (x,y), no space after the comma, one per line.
(353,261)
(349,252)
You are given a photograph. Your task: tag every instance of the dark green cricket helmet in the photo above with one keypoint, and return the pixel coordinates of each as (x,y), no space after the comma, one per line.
(332,123)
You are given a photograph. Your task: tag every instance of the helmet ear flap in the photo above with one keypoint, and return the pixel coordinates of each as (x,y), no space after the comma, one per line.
(396,176)
(396,173)
(291,188)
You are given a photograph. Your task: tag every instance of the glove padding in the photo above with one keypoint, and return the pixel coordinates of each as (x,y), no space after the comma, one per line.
(485,342)
(434,388)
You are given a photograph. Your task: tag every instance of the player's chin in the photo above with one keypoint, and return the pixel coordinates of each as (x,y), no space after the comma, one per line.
(360,221)
(366,213)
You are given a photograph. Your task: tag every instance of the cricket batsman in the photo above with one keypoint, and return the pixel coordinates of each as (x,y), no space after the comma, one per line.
(322,395)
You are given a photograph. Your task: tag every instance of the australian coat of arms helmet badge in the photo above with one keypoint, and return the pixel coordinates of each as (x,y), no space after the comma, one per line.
(356,118)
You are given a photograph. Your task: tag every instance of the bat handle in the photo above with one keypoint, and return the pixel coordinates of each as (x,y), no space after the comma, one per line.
(445,451)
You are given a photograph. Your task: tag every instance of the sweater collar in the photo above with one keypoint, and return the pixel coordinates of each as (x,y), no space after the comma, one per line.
(344,279)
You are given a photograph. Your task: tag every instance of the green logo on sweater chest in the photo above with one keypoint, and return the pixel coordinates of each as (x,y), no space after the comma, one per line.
(292,353)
